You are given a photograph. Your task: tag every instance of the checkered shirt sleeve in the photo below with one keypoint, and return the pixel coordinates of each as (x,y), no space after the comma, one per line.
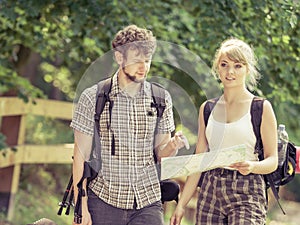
(166,123)
(83,116)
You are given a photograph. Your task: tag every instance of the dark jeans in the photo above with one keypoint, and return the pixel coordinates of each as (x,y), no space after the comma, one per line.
(105,214)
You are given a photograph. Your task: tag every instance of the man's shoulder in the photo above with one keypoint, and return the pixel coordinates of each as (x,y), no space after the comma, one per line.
(157,84)
(90,91)
(88,95)
(157,87)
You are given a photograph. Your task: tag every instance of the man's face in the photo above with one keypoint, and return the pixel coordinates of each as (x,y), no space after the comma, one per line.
(136,65)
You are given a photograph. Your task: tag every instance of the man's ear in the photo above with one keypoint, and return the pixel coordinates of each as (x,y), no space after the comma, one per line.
(119,57)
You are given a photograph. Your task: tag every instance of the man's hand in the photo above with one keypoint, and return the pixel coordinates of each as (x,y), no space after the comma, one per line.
(179,141)
(86,219)
(165,146)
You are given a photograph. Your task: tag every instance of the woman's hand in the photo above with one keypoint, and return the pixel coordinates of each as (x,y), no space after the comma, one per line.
(244,168)
(177,216)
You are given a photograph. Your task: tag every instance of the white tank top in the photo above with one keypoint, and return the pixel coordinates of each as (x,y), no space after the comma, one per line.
(223,135)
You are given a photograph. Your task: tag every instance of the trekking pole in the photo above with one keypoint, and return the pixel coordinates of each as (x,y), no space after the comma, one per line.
(70,202)
(64,204)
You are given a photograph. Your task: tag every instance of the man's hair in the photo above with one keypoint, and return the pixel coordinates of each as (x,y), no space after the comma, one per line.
(134,38)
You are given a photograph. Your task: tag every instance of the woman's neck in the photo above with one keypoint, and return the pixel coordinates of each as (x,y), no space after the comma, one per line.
(236,95)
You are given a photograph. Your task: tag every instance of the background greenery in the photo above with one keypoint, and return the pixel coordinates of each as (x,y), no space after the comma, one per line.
(47,45)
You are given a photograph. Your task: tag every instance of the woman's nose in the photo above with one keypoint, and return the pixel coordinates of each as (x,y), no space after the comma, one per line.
(230,70)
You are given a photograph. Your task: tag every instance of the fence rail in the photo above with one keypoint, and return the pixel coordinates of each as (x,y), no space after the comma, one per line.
(13,106)
(36,154)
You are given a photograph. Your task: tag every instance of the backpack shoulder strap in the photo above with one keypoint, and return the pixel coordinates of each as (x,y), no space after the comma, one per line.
(210,104)
(208,107)
(102,96)
(256,118)
(158,97)
(158,102)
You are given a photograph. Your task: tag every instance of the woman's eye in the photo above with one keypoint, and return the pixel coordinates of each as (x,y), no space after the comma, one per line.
(238,66)
(223,64)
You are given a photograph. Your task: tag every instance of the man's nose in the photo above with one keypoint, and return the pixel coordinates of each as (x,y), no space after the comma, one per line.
(143,65)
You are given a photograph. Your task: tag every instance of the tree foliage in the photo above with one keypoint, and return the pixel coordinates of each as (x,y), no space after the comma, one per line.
(69,35)
(80,31)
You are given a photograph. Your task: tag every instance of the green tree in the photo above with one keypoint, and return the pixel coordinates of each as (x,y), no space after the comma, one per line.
(68,33)
(47,45)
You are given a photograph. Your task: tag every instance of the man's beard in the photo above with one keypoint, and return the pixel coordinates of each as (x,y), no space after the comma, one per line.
(132,77)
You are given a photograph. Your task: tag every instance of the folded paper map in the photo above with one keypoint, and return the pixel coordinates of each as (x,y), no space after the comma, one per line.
(178,166)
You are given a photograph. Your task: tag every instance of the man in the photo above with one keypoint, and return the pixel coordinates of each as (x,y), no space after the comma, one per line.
(126,190)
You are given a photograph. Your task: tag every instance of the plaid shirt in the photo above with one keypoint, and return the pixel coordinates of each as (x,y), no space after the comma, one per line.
(129,172)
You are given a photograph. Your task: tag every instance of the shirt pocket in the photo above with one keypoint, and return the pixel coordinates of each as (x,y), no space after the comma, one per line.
(146,125)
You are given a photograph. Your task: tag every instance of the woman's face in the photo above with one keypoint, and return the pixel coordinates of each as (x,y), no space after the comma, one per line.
(231,73)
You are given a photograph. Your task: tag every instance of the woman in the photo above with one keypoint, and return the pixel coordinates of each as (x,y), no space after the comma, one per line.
(236,194)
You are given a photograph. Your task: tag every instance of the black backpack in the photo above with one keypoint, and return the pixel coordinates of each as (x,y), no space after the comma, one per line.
(283,174)
(169,188)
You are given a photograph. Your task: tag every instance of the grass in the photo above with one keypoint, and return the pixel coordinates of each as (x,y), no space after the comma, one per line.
(41,189)
(34,205)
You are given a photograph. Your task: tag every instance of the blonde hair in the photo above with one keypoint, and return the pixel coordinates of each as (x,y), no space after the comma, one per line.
(238,51)
(134,38)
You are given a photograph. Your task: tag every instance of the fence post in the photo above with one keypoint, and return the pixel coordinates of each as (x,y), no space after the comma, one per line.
(13,127)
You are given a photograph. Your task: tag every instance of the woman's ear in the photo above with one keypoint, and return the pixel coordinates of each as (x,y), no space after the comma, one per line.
(119,57)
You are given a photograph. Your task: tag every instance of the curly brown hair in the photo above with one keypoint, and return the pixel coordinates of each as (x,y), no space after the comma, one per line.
(134,38)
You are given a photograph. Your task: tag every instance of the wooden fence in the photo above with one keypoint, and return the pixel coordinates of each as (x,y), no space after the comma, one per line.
(15,111)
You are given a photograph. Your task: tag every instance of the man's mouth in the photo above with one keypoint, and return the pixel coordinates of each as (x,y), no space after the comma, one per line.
(141,74)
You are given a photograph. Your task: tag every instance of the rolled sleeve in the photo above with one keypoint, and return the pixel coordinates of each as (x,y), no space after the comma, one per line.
(83,116)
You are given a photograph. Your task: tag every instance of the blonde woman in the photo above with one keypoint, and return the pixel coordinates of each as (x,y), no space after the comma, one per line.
(236,194)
